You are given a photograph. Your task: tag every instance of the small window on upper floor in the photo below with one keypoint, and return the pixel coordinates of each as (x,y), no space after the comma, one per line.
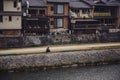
(33,11)
(85,11)
(52,8)
(58,22)
(52,22)
(42,12)
(1,5)
(1,18)
(15,3)
(10,18)
(1,32)
(59,9)
(75,10)
(19,0)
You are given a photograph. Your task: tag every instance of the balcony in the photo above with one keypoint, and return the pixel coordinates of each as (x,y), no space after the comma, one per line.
(80,15)
(88,26)
(102,14)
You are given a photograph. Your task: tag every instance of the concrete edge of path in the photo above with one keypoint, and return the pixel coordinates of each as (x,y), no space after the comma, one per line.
(60,48)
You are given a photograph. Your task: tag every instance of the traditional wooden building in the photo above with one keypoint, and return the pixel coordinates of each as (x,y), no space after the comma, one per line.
(10,17)
(106,12)
(81,17)
(58,14)
(118,15)
(35,20)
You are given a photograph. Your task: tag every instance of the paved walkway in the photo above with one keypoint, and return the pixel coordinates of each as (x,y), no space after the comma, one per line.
(58,48)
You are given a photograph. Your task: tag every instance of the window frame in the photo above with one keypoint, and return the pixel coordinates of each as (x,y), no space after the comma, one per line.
(52,23)
(10,18)
(33,11)
(56,9)
(1,18)
(52,8)
(15,3)
(1,5)
(85,11)
(56,22)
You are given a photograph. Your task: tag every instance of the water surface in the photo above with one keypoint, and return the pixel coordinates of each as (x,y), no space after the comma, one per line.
(106,72)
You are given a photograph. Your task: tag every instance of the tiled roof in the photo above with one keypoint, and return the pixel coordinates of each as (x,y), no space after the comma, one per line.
(73,0)
(34,3)
(113,3)
(106,3)
(73,3)
(62,1)
(91,2)
(79,4)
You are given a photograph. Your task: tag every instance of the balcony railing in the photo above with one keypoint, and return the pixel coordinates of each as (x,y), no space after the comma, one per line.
(96,14)
(87,26)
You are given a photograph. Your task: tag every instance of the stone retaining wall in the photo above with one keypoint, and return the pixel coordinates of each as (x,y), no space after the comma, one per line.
(28,41)
(58,59)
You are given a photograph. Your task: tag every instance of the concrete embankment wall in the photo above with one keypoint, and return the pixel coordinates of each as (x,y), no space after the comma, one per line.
(59,59)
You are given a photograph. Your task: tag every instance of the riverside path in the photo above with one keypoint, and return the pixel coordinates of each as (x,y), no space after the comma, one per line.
(59,48)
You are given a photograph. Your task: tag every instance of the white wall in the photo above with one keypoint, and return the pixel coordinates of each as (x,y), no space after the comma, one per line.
(119,16)
(16,20)
(9,6)
(14,24)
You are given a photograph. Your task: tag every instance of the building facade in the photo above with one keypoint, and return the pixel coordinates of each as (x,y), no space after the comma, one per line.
(118,16)
(49,16)
(74,16)
(10,17)
(35,20)
(58,14)
(106,13)
(81,17)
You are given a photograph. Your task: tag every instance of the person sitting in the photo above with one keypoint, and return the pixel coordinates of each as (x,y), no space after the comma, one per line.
(47,50)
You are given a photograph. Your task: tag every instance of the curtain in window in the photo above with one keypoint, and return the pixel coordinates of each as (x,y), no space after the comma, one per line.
(59,23)
(60,9)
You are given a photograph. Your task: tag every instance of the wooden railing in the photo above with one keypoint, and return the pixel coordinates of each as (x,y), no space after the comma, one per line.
(96,14)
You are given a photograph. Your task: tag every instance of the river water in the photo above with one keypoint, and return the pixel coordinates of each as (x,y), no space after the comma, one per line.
(105,72)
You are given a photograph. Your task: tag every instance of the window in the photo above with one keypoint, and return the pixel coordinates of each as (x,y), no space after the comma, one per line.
(59,9)
(1,32)
(85,11)
(75,10)
(52,22)
(10,18)
(1,18)
(52,8)
(32,11)
(19,0)
(1,5)
(15,3)
(59,22)
(41,11)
